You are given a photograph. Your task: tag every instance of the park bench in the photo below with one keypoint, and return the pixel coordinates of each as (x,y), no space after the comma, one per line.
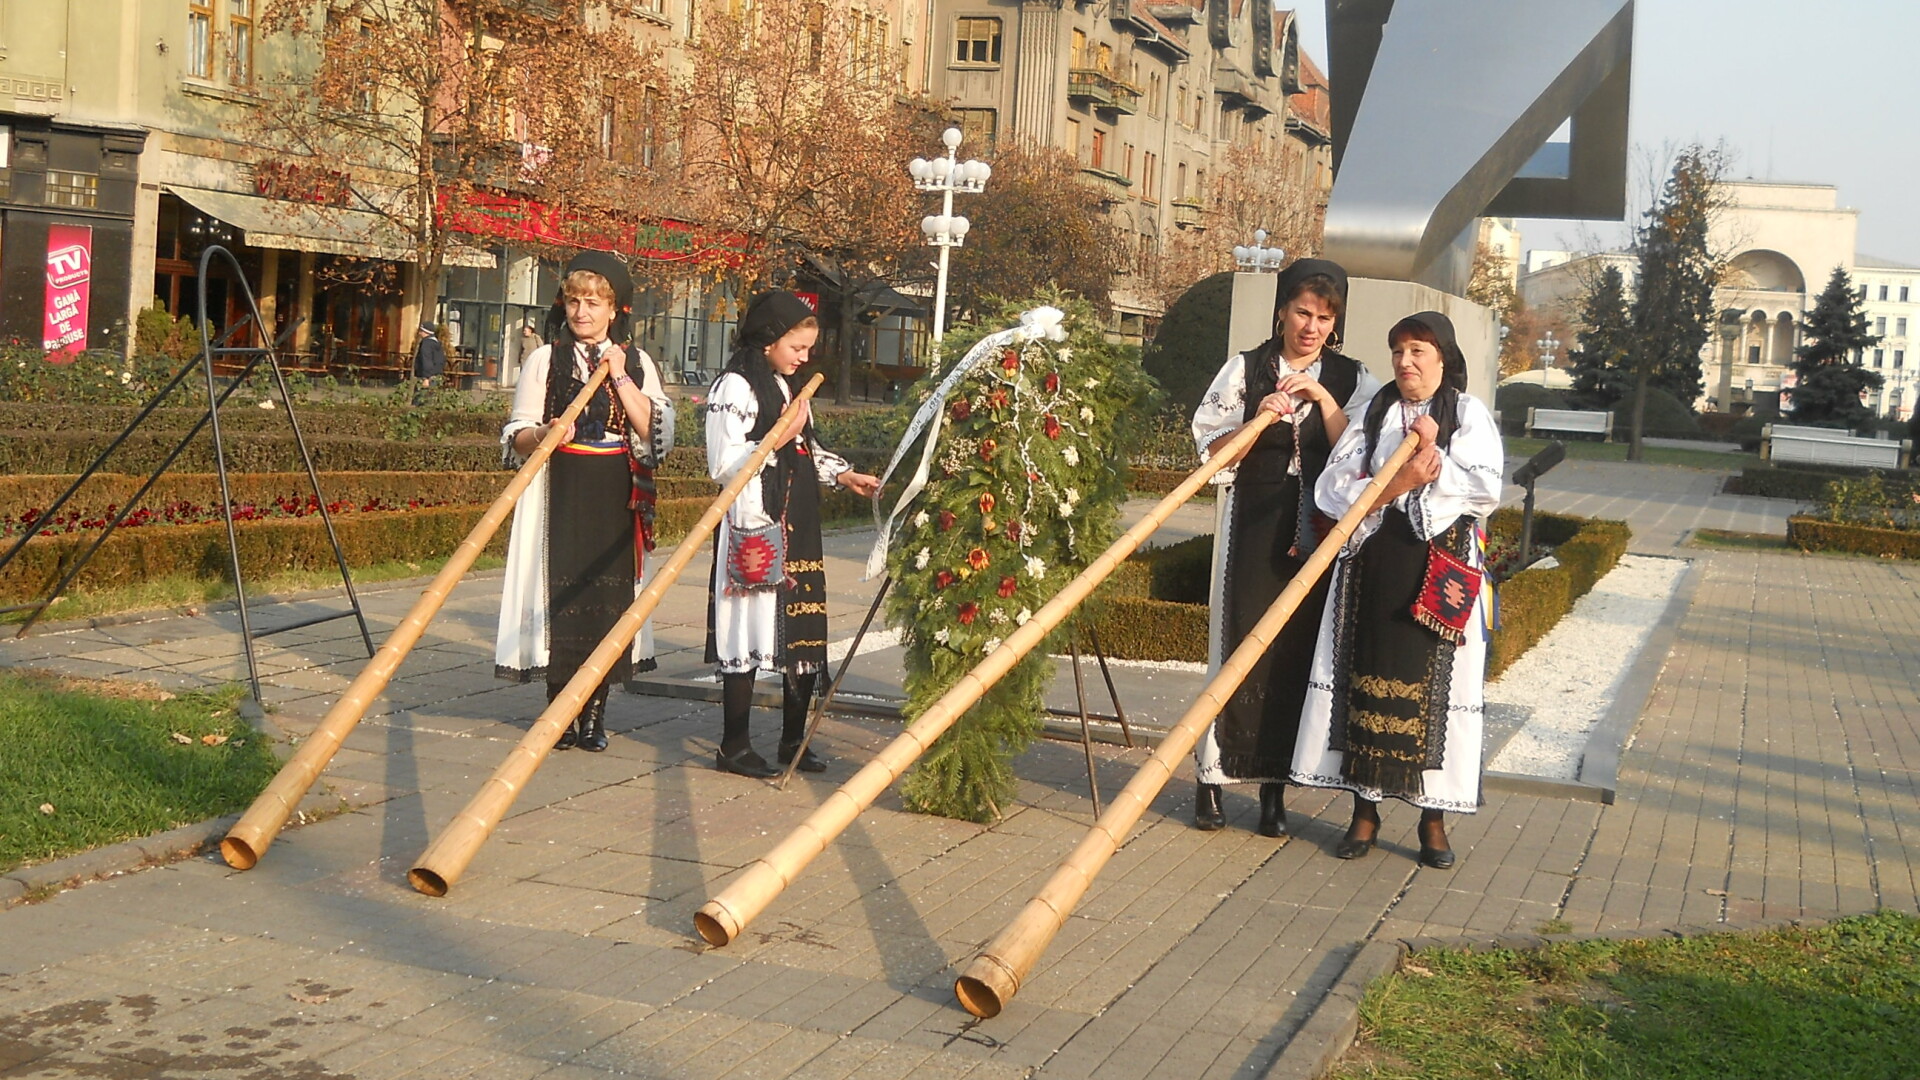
(1830,446)
(1570,422)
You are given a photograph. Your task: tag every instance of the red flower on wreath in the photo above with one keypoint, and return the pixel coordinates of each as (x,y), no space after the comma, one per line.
(943,579)
(1052,425)
(987,447)
(978,558)
(986,503)
(968,612)
(1013,531)
(997,397)
(946,520)
(1007,586)
(1052,382)
(962,409)
(1010,361)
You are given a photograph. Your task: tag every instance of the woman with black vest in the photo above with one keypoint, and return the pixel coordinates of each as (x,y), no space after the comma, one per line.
(1266,527)
(768,608)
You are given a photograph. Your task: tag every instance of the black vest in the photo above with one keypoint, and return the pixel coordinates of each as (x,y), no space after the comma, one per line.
(1273,451)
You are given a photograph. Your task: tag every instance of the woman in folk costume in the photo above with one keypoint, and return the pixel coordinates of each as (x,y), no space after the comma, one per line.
(768,609)
(577,553)
(1266,524)
(1394,709)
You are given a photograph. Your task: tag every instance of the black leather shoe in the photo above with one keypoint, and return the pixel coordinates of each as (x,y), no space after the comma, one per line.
(1273,809)
(593,726)
(1208,816)
(569,737)
(1350,848)
(809,761)
(745,763)
(1438,858)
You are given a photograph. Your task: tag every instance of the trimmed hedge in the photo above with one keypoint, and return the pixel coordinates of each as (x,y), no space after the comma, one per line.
(1140,628)
(1533,601)
(106,421)
(1812,534)
(1809,483)
(70,452)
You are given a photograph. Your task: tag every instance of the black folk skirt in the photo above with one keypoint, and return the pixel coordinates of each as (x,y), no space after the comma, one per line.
(592,562)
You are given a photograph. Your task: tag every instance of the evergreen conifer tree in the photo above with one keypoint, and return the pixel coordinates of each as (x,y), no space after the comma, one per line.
(1600,363)
(1673,310)
(1830,375)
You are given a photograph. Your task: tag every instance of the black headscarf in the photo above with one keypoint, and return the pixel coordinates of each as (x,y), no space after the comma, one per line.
(562,384)
(1446,399)
(768,318)
(1263,359)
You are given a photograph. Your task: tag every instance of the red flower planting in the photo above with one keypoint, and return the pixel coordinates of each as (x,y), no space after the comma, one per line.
(1007,586)
(969,611)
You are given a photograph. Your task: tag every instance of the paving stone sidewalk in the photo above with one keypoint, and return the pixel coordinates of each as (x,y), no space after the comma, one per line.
(1775,774)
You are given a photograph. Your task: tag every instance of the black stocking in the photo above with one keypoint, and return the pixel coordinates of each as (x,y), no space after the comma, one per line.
(796,696)
(736,705)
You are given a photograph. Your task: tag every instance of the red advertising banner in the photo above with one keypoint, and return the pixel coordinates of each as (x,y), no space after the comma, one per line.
(811,299)
(69,287)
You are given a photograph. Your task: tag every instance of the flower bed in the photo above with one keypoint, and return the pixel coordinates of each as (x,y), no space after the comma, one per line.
(1812,534)
(1870,515)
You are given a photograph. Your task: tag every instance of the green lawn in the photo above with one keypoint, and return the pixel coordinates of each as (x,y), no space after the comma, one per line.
(1836,1003)
(86,764)
(1582,450)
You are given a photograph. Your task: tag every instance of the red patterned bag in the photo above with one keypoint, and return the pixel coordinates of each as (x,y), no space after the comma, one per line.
(757,558)
(1445,603)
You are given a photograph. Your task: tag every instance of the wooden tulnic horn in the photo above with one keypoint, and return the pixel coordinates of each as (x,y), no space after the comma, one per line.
(997,973)
(251,835)
(443,862)
(722,918)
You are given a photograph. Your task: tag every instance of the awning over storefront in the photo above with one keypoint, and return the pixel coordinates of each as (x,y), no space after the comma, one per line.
(294,226)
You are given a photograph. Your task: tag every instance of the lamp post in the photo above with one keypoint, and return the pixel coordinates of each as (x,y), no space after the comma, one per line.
(947,176)
(1258,256)
(1548,346)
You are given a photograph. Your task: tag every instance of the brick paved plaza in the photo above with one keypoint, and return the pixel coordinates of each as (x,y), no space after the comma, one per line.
(1775,773)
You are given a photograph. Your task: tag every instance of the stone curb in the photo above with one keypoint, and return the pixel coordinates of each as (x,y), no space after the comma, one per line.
(112,860)
(1600,762)
(1330,1031)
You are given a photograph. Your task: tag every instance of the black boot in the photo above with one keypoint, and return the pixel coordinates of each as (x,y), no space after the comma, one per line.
(736,750)
(1273,809)
(592,724)
(1208,815)
(795,699)
(570,735)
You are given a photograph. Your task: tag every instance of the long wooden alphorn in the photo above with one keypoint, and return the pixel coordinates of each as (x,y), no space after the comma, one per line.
(256,829)
(722,918)
(997,973)
(443,862)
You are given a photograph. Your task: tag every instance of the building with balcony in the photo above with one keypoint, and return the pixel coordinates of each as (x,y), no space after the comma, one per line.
(1153,99)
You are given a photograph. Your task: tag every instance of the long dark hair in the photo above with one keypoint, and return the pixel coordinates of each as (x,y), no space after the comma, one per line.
(768,319)
(1436,330)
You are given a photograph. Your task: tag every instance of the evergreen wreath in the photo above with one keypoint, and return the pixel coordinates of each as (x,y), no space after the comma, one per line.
(1024,492)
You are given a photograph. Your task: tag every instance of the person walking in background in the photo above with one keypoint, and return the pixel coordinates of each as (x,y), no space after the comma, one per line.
(1394,703)
(429,358)
(1266,527)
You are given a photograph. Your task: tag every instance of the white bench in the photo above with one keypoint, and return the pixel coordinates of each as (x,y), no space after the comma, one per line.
(1830,446)
(1573,421)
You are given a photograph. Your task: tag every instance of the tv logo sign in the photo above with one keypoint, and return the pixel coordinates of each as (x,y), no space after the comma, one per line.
(69,266)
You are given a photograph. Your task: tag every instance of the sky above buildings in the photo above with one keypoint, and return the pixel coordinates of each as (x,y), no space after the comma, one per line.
(1823,93)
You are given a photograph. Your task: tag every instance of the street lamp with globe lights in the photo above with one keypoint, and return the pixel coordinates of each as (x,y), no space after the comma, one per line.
(947,176)
(1548,346)
(1258,256)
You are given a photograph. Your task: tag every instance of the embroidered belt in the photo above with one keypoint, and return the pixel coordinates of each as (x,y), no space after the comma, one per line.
(594,448)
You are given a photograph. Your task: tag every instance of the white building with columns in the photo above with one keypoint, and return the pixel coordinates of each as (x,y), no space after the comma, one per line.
(1782,242)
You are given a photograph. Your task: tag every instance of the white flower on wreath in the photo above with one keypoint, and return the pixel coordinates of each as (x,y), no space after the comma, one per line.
(992,644)
(920,520)
(1036,567)
(920,559)
(941,636)
(1021,619)
(1067,508)
(1065,355)
(1086,413)
(997,617)
(1072,456)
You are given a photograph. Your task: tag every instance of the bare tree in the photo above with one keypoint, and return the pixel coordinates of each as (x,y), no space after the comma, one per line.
(1253,189)
(1037,225)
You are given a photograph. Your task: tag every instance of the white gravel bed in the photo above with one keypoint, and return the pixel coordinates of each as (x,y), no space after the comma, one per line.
(1567,680)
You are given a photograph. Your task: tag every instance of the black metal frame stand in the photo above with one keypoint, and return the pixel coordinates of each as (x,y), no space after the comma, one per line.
(216,396)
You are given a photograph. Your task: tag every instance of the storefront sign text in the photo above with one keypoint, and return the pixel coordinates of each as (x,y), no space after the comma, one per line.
(69,287)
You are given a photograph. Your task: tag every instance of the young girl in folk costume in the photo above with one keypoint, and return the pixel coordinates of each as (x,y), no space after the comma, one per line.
(1267,528)
(577,553)
(1395,705)
(759,619)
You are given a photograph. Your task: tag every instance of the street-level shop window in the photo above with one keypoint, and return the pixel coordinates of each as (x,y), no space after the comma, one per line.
(200,38)
(72,189)
(976,41)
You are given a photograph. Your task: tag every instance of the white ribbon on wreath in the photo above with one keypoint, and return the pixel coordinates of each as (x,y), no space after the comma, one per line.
(1041,323)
